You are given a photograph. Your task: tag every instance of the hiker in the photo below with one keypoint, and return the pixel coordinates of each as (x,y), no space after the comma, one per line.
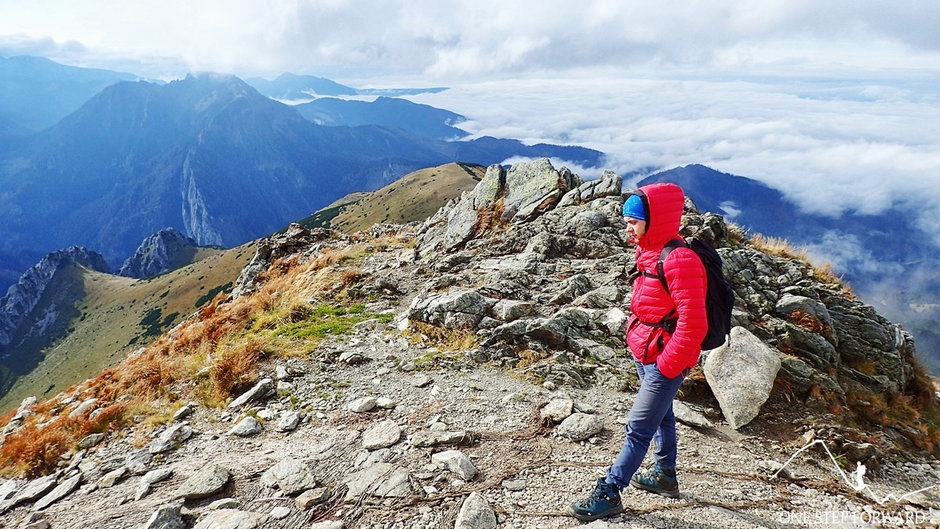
(664,333)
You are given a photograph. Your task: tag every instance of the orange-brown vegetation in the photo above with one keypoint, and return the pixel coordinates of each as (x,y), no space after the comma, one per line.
(807,322)
(229,337)
(36,447)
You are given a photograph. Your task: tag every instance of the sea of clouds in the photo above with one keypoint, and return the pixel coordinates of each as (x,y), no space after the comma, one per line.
(829,145)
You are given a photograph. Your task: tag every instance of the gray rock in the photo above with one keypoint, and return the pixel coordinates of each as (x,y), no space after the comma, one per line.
(83,409)
(381,435)
(741,375)
(381,480)
(8,488)
(329,524)
(580,426)
(279,513)
(90,440)
(111,478)
(454,308)
(608,185)
(456,462)
(557,410)
(246,427)
(475,513)
(514,485)
(290,476)
(532,188)
(230,519)
(156,476)
(263,388)
(33,490)
(510,310)
(137,462)
(688,416)
(385,403)
(362,405)
(420,381)
(223,503)
(184,412)
(426,438)
(166,517)
(207,481)
(62,490)
(288,421)
(150,478)
(171,438)
(311,498)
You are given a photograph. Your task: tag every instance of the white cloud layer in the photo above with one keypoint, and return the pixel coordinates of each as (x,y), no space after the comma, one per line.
(831,146)
(833,102)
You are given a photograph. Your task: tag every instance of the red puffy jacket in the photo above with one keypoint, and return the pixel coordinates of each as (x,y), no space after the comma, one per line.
(685,275)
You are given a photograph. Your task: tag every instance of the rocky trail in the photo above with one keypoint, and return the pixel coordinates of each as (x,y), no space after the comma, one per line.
(434,435)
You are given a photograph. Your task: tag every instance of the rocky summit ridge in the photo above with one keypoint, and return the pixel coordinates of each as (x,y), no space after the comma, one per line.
(468,372)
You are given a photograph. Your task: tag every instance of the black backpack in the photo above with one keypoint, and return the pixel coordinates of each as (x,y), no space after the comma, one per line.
(719,297)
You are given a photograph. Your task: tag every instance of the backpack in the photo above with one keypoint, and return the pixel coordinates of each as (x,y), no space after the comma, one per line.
(719,297)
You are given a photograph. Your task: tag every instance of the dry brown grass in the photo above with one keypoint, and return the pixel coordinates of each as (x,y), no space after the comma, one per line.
(442,337)
(236,368)
(778,247)
(35,449)
(807,321)
(529,357)
(221,336)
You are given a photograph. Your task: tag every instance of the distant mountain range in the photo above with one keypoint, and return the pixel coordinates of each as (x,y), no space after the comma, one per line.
(212,157)
(36,92)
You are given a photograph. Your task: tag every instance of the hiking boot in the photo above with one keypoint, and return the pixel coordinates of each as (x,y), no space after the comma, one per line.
(657,480)
(603,502)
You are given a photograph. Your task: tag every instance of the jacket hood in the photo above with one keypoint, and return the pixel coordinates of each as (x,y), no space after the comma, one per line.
(664,205)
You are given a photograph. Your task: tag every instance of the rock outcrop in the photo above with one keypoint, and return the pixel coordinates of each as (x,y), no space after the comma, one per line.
(166,250)
(23,297)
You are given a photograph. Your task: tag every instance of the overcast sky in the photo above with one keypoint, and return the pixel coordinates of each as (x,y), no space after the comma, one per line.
(835,102)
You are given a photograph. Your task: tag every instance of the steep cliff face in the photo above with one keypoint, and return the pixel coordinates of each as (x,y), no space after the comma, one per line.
(163,251)
(23,297)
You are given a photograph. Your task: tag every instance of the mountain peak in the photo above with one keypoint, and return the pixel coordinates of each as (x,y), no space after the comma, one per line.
(163,251)
(24,296)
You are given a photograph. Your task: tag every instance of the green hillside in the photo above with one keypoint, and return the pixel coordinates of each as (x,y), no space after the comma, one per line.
(115,315)
(414,197)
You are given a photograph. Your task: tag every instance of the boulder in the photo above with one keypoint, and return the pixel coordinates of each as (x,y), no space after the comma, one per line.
(170,438)
(290,476)
(580,426)
(62,490)
(454,308)
(263,388)
(741,375)
(475,513)
(166,517)
(456,462)
(207,481)
(382,435)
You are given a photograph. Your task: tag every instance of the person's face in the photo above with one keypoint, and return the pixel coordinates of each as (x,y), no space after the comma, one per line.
(637,227)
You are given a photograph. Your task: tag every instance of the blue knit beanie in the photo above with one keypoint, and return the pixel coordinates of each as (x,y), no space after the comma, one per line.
(633,208)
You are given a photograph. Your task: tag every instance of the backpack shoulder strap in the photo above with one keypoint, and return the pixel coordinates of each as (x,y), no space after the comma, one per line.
(667,249)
